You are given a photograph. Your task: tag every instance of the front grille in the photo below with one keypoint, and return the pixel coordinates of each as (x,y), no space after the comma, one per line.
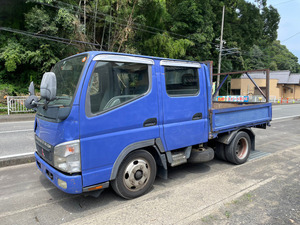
(44,150)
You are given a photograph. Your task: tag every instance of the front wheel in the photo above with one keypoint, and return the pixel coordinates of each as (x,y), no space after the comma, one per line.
(238,150)
(136,175)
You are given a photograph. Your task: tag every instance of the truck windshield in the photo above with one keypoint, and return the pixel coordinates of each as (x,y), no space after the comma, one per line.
(67,73)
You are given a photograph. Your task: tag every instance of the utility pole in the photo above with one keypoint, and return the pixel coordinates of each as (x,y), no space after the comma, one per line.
(221,48)
(84,17)
(95,20)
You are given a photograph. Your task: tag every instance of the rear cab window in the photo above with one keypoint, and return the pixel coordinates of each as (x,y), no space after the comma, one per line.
(181,79)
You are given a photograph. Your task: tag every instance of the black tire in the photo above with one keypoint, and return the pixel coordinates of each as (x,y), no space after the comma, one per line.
(220,151)
(136,175)
(238,150)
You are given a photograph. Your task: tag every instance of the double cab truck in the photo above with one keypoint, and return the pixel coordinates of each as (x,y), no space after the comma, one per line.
(113,119)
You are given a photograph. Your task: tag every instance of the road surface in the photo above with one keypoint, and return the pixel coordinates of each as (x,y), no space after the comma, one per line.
(265,190)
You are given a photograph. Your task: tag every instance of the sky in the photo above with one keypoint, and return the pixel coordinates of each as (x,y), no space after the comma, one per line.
(289,26)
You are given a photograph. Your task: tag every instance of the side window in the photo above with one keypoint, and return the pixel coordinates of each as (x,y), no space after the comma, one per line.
(115,83)
(94,87)
(181,81)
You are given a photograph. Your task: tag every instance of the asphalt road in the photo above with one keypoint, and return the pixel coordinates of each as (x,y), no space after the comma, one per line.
(265,190)
(18,137)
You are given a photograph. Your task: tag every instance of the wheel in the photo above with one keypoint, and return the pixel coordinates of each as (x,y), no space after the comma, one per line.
(201,155)
(220,151)
(136,175)
(238,150)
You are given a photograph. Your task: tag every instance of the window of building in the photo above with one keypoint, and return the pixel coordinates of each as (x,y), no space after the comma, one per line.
(115,83)
(181,81)
(235,91)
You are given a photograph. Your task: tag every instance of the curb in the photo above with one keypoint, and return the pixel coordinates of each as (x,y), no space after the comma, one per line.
(17,117)
(16,159)
(285,118)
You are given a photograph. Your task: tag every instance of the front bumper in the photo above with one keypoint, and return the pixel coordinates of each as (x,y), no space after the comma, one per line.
(74,183)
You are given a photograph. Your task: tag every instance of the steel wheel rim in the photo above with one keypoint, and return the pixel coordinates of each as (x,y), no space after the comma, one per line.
(136,174)
(242,148)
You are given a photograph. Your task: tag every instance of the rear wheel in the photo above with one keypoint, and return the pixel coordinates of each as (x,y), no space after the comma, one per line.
(220,151)
(238,150)
(136,175)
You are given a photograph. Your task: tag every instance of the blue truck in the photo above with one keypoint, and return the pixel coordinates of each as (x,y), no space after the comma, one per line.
(113,119)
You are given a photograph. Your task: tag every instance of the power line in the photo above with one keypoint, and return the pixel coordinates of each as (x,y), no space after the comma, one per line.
(280,3)
(135,27)
(291,37)
(47,37)
(111,17)
(135,23)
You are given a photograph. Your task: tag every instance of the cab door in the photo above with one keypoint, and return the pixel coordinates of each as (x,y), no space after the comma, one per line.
(118,108)
(185,119)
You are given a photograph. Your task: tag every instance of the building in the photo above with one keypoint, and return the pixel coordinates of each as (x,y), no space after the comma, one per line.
(283,84)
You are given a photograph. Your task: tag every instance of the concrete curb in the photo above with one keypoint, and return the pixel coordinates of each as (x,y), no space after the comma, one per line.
(285,118)
(13,160)
(17,117)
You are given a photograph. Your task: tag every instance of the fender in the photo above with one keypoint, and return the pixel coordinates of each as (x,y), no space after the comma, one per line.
(134,146)
(226,138)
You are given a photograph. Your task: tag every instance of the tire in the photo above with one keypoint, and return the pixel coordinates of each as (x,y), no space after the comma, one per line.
(136,175)
(201,156)
(220,151)
(238,150)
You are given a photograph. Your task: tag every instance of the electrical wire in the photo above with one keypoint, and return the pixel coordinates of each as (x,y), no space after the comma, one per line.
(135,27)
(283,2)
(47,37)
(291,37)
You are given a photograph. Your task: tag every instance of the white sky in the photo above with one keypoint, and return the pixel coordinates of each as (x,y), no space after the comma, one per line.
(289,26)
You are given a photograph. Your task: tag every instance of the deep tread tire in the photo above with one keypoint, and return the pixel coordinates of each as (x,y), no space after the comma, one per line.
(220,151)
(238,150)
(135,160)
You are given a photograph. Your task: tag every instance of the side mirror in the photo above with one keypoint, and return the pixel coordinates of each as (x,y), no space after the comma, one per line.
(31,101)
(48,86)
(31,88)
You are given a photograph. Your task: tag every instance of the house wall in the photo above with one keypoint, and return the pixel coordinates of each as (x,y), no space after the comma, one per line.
(297,91)
(288,91)
(288,94)
(247,87)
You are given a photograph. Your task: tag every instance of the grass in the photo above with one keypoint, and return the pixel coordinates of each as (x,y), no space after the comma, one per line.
(227,214)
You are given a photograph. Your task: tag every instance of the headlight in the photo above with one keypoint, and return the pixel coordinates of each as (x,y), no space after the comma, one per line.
(67,156)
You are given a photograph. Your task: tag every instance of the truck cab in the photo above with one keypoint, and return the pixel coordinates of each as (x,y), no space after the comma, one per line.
(112,119)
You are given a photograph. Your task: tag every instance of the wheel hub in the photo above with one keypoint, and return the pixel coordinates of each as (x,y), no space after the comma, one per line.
(136,174)
(242,148)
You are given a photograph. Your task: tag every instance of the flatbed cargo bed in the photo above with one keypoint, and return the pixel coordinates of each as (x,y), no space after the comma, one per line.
(228,117)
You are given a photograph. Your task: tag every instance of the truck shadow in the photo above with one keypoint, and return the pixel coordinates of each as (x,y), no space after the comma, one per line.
(78,205)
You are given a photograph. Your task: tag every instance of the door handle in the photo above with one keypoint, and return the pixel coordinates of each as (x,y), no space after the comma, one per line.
(150,122)
(197,116)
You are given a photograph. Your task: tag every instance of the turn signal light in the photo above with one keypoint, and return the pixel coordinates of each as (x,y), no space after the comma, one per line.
(95,188)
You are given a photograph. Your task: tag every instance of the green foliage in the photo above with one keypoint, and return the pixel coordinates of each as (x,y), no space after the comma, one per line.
(165,46)
(39,21)
(12,55)
(274,56)
(186,29)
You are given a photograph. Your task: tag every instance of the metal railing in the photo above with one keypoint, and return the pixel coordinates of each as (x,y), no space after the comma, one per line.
(16,104)
(274,99)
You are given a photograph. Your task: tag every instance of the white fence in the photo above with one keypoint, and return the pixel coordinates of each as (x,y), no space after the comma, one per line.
(16,104)
(273,99)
